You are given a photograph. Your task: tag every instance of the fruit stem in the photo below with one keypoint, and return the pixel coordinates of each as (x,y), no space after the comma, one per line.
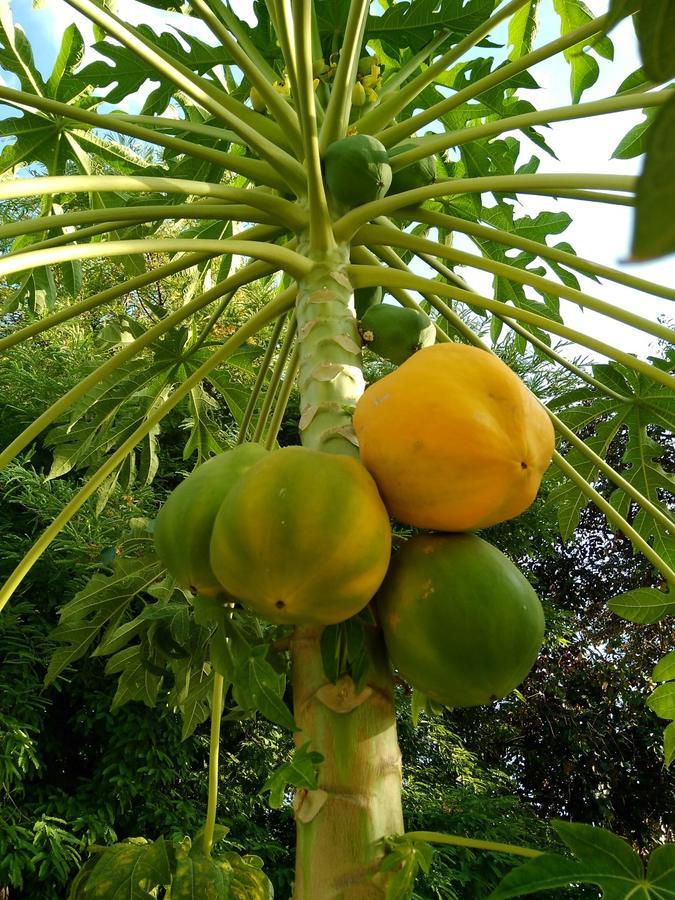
(434,837)
(214,746)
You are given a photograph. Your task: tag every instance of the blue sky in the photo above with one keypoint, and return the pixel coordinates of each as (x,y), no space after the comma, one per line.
(598,231)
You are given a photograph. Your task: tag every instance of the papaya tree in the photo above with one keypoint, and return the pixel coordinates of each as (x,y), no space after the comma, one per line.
(286,162)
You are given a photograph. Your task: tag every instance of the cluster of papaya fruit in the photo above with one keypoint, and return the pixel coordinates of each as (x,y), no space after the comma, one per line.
(456,442)
(451,441)
(358,170)
(299,536)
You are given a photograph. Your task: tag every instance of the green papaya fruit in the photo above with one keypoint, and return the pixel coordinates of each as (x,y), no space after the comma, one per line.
(460,621)
(395,333)
(364,298)
(184,523)
(416,175)
(357,170)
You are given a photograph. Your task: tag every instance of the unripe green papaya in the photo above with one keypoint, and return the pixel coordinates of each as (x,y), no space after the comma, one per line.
(460,621)
(184,523)
(395,333)
(364,298)
(416,175)
(357,170)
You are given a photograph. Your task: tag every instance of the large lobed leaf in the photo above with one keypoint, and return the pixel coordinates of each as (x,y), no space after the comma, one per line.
(601,858)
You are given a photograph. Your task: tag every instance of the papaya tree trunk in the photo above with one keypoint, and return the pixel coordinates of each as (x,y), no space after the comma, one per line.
(358,800)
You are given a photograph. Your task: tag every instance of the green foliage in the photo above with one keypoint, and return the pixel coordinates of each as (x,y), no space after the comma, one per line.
(299,772)
(584,67)
(602,859)
(134,868)
(654,234)
(624,420)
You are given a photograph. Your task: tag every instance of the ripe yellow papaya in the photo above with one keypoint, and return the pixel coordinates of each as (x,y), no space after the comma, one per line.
(303,538)
(460,621)
(454,439)
(183,525)
(395,333)
(357,170)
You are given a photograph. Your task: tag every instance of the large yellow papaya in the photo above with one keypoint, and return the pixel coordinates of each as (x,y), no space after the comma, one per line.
(303,538)
(460,621)
(183,524)
(454,439)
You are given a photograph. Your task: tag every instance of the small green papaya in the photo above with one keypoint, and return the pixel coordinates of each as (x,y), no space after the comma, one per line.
(364,298)
(184,523)
(357,170)
(395,333)
(416,175)
(461,623)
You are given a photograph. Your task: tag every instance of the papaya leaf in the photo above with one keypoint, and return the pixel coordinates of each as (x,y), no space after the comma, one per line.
(120,870)
(654,226)
(257,686)
(662,700)
(193,703)
(602,859)
(247,881)
(203,877)
(618,10)
(619,424)
(204,430)
(522,29)
(137,681)
(128,73)
(669,744)
(299,772)
(655,26)
(643,605)
(634,142)
(584,69)
(100,605)
(665,668)
(412,25)
(16,53)
(403,860)
(344,652)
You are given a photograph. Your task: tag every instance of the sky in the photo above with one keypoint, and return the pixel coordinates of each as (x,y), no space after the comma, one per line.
(598,231)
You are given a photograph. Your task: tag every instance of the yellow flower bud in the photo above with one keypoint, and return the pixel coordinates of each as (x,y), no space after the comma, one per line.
(358,94)
(373,79)
(257,101)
